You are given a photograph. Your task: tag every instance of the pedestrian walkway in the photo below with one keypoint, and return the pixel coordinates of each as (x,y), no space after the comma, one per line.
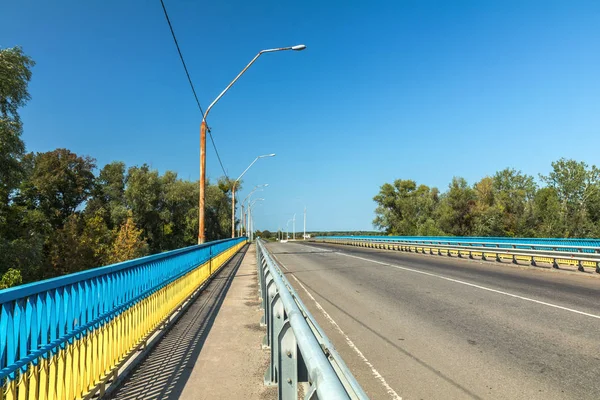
(214,350)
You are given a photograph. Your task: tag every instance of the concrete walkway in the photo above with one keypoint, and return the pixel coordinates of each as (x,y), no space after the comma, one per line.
(214,350)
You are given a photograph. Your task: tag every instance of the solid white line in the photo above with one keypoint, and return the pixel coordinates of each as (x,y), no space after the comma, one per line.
(472,285)
(350,343)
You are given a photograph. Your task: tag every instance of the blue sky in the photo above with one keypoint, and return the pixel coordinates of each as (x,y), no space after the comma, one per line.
(422,90)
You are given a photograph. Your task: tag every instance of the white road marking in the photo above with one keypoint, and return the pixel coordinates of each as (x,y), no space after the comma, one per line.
(472,285)
(350,343)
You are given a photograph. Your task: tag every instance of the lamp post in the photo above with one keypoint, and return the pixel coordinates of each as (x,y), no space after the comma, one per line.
(294,227)
(233,191)
(264,185)
(250,220)
(304,237)
(287,230)
(202,183)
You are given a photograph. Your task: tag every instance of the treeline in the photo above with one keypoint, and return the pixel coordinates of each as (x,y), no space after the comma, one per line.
(59,215)
(565,203)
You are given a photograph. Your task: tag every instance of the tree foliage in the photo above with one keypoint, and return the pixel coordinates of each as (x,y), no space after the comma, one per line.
(509,203)
(128,244)
(59,215)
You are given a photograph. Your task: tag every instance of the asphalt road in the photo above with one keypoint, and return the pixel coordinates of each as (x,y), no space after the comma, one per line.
(428,327)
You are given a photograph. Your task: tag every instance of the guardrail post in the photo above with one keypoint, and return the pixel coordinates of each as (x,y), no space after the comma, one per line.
(580,266)
(533,263)
(262,266)
(514,259)
(269,294)
(259,272)
(598,267)
(276,321)
(288,363)
(554,264)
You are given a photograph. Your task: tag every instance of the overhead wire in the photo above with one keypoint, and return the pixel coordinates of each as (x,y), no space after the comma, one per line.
(191,84)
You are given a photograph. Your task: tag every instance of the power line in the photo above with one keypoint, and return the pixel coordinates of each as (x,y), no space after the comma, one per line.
(218,156)
(191,84)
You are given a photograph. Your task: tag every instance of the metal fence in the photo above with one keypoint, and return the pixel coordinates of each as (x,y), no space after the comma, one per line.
(66,338)
(302,357)
(484,239)
(551,251)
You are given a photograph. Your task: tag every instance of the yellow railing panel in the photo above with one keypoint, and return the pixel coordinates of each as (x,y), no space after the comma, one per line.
(77,369)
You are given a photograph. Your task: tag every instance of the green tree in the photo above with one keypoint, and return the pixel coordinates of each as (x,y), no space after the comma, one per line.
(405,209)
(83,242)
(218,210)
(514,193)
(454,214)
(59,182)
(20,245)
(577,188)
(487,214)
(10,278)
(547,213)
(129,243)
(108,194)
(15,74)
(179,208)
(143,196)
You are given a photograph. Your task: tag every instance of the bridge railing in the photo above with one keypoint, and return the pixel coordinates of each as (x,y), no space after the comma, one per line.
(301,353)
(65,338)
(555,252)
(501,241)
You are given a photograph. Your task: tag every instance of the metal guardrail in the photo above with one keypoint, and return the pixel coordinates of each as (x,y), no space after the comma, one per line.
(548,242)
(67,337)
(581,256)
(301,353)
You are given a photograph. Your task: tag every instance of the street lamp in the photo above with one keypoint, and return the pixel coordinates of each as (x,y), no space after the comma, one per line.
(201,236)
(264,185)
(250,220)
(287,230)
(304,236)
(233,191)
(294,225)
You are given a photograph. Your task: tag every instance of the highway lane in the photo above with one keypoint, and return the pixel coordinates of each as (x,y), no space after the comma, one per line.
(430,327)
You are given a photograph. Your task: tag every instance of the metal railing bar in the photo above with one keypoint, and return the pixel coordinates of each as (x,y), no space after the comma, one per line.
(29,289)
(326,370)
(322,337)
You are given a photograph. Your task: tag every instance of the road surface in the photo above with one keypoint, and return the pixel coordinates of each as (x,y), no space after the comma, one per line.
(428,327)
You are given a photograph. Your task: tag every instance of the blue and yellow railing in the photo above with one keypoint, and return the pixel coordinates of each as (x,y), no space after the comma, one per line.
(64,337)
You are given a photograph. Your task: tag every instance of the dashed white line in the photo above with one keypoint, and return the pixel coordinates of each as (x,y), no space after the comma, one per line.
(350,343)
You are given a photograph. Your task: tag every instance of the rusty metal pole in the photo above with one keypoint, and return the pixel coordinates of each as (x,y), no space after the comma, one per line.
(242,224)
(233,210)
(201,237)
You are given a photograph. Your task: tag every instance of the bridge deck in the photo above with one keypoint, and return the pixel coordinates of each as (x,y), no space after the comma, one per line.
(432,327)
(214,350)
